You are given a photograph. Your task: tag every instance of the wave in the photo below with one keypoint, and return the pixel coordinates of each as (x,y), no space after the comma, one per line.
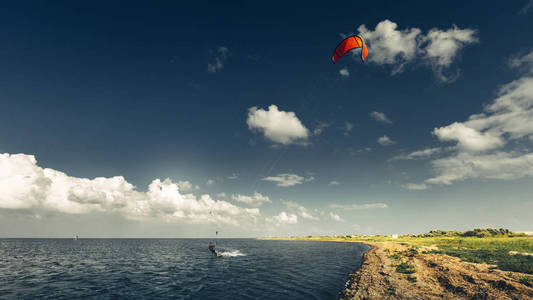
(231,253)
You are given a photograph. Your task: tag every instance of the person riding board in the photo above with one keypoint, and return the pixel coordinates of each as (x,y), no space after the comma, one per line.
(212,248)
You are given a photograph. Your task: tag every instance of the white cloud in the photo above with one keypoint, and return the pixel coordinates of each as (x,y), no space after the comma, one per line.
(256,199)
(344,72)
(385,141)
(358,206)
(302,211)
(283,218)
(320,128)
(380,117)
(465,165)
(210,181)
(525,62)
(288,179)
(390,46)
(420,154)
(443,46)
(415,186)
(334,183)
(186,186)
(219,60)
(25,185)
(335,217)
(492,144)
(387,45)
(221,195)
(468,138)
(278,126)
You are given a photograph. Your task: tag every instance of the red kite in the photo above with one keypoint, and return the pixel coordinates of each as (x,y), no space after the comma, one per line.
(348,44)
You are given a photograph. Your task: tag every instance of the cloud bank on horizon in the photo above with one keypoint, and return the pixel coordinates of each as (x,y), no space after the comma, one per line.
(27,186)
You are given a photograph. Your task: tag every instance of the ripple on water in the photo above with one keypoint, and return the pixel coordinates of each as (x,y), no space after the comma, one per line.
(174,268)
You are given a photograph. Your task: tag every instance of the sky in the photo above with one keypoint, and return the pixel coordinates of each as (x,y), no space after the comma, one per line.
(171,119)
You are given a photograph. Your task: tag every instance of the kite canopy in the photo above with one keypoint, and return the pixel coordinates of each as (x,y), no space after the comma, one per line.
(348,44)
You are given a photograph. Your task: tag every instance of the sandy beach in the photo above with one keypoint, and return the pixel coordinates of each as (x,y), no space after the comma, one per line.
(437,277)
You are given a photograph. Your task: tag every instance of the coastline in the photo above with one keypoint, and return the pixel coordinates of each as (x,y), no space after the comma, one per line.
(426,275)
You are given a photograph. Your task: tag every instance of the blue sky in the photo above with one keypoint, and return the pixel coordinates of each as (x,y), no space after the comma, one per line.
(173,120)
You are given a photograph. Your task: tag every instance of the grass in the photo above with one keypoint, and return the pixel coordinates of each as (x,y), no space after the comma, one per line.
(405,268)
(411,278)
(395,256)
(490,250)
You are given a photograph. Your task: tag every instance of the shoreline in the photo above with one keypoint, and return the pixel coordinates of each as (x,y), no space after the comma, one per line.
(391,270)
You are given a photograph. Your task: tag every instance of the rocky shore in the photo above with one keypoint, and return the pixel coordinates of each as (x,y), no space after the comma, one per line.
(394,271)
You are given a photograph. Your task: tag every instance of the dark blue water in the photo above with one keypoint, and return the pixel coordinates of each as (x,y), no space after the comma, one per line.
(174,268)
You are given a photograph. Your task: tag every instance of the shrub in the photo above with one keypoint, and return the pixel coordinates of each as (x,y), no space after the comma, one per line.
(405,268)
(395,256)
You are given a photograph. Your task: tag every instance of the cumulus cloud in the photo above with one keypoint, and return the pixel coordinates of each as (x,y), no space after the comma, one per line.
(288,179)
(358,206)
(283,218)
(186,186)
(219,59)
(334,183)
(27,186)
(210,181)
(335,217)
(443,47)
(415,186)
(386,141)
(221,195)
(344,72)
(380,117)
(302,211)
(390,46)
(278,126)
(257,199)
(468,138)
(492,144)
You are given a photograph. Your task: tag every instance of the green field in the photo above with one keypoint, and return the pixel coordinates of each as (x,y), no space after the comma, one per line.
(494,249)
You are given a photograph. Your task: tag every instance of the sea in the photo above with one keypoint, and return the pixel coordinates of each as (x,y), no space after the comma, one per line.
(175,268)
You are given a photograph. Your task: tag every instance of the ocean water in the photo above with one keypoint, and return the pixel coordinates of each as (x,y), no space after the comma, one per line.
(174,268)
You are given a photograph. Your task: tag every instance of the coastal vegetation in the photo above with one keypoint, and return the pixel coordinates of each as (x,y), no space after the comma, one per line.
(509,251)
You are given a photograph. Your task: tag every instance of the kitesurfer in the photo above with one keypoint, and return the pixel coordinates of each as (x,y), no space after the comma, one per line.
(212,248)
